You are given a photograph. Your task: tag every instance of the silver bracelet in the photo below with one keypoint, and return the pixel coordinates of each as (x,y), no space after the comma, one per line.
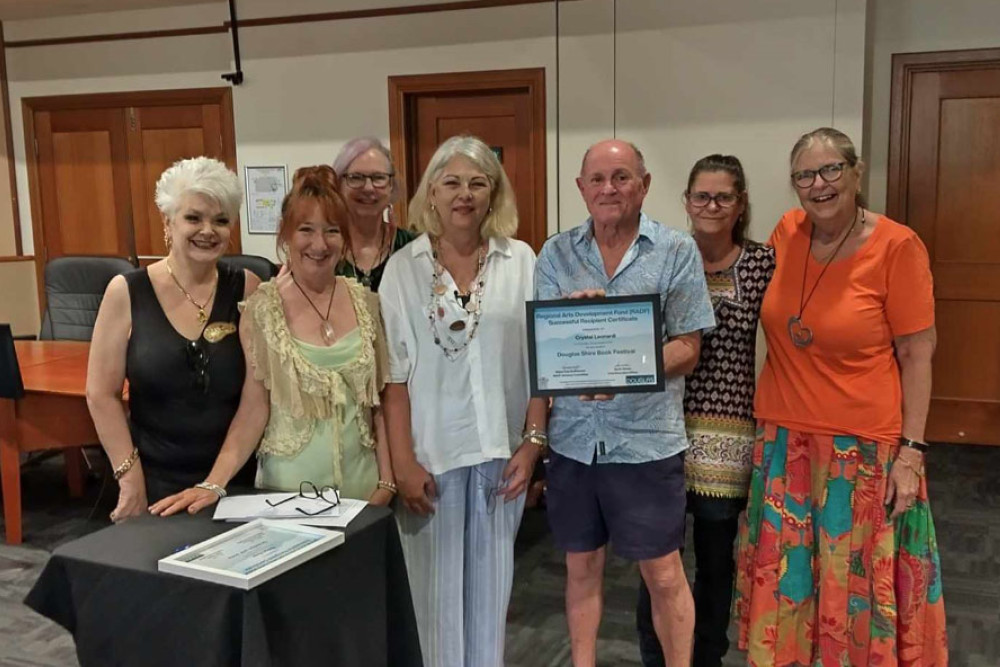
(214,488)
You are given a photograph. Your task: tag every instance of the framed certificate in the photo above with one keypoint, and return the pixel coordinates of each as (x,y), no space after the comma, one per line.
(251,554)
(266,187)
(609,345)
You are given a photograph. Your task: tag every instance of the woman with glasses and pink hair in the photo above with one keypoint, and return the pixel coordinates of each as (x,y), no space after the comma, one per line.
(368,185)
(838,561)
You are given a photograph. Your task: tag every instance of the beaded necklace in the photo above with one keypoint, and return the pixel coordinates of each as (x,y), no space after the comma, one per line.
(471,301)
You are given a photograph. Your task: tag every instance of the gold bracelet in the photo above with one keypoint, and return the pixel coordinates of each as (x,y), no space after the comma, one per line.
(126,465)
(388,486)
(906,464)
(536,437)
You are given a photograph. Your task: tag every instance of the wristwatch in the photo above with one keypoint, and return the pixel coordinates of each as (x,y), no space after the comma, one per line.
(914,444)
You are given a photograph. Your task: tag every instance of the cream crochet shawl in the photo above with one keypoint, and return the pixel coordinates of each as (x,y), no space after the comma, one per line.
(301,391)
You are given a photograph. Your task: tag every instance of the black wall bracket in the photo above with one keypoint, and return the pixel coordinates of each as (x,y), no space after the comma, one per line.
(235,78)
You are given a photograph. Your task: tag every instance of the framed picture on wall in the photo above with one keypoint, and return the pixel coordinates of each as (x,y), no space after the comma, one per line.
(266,188)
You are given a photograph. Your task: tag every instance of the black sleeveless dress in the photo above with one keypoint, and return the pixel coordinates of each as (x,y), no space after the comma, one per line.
(182,394)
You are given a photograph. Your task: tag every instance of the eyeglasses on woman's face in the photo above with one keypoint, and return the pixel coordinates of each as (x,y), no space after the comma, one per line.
(831,173)
(721,199)
(356,179)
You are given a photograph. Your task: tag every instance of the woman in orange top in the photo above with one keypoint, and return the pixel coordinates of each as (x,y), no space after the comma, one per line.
(838,561)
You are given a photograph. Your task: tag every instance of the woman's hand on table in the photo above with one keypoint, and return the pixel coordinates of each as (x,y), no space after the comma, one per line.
(193,500)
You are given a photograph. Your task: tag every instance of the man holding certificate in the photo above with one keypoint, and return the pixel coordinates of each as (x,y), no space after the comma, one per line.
(616,471)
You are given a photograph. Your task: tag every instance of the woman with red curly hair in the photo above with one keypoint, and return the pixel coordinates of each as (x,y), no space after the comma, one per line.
(315,353)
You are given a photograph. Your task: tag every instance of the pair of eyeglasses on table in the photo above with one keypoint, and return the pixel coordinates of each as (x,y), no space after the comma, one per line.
(309,491)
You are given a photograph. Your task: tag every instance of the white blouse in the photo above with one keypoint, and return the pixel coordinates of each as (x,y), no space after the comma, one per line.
(470,409)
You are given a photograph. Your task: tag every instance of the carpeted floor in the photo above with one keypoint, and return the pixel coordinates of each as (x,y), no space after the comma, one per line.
(964,488)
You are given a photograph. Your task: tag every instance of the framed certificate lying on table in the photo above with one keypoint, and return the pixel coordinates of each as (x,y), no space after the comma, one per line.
(251,554)
(608,345)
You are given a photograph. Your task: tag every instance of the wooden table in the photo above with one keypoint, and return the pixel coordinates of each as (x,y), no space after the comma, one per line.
(52,415)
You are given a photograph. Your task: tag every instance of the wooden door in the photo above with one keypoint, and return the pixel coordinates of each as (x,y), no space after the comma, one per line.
(505,109)
(84,182)
(944,181)
(158,137)
(94,160)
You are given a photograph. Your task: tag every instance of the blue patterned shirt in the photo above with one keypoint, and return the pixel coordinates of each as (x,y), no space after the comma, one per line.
(633,427)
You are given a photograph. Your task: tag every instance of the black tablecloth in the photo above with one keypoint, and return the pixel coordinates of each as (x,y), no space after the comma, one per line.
(349,606)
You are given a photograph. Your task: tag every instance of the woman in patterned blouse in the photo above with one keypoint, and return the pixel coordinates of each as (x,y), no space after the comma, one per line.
(718,400)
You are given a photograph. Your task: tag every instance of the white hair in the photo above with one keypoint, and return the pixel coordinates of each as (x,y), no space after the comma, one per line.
(500,221)
(198,175)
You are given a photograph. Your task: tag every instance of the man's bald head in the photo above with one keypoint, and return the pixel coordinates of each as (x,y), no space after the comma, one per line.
(613,182)
(616,146)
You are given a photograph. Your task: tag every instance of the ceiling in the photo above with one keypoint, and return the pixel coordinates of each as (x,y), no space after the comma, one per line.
(15,10)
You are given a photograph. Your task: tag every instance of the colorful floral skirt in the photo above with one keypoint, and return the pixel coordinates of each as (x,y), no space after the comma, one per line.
(823,577)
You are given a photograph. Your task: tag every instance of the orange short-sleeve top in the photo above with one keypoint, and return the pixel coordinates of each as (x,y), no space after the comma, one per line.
(847,381)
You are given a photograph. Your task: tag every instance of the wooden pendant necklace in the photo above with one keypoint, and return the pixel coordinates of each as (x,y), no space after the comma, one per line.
(801,335)
(325,328)
(202,315)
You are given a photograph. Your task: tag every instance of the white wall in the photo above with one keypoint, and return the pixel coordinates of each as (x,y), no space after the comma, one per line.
(735,77)
(692,78)
(911,26)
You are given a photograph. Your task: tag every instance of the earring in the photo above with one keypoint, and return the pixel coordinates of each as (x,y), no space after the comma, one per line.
(434,208)
(166,237)
(387,214)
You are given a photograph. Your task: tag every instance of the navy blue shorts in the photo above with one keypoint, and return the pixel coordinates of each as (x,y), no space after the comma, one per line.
(638,507)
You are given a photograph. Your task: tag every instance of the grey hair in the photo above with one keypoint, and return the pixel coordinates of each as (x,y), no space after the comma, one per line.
(841,143)
(500,221)
(635,149)
(357,147)
(198,175)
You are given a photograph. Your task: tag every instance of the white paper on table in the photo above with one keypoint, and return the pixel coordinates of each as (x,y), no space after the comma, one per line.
(255,506)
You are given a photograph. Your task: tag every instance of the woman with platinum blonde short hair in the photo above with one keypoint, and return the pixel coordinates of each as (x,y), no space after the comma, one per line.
(368,185)
(170,330)
(463,434)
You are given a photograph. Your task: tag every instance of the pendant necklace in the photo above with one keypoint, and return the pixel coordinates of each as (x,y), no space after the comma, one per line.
(801,335)
(365,278)
(325,328)
(202,315)
(470,302)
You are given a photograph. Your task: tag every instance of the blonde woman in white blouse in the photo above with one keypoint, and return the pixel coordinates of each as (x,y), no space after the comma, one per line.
(463,438)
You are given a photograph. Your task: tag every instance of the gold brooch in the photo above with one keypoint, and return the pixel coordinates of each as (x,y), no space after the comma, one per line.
(216,331)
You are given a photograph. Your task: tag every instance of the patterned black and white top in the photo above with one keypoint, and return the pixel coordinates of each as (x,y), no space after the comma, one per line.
(718,397)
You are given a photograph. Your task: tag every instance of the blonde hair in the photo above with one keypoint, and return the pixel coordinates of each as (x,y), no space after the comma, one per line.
(501,219)
(198,175)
